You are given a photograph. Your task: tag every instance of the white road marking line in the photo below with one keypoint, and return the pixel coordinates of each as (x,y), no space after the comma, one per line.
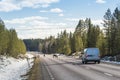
(52,78)
(108,74)
(50,74)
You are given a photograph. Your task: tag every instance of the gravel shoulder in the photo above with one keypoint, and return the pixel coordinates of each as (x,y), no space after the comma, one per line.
(35,72)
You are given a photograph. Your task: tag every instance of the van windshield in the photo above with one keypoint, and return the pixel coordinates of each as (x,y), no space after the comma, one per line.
(92,51)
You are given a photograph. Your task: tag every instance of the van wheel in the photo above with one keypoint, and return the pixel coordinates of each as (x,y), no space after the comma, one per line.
(95,62)
(85,62)
(98,62)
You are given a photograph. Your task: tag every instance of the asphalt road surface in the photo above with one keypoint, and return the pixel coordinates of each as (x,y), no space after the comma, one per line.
(68,68)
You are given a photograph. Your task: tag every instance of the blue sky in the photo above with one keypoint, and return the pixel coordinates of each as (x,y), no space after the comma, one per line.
(42,18)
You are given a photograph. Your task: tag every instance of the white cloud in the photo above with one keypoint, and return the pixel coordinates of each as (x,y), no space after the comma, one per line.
(42,33)
(97,22)
(5,6)
(43,11)
(10,5)
(25,20)
(36,27)
(61,14)
(100,1)
(72,19)
(56,10)
(45,5)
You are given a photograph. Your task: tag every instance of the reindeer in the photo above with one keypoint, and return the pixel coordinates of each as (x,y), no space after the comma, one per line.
(55,56)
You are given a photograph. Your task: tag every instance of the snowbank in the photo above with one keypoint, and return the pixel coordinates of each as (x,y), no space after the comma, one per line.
(113,62)
(12,69)
(110,59)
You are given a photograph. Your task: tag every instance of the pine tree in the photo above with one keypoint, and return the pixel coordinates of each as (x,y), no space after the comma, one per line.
(9,42)
(90,33)
(101,44)
(3,38)
(107,25)
(116,30)
(71,42)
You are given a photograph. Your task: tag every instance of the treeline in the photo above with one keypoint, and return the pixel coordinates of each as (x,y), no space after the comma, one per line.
(86,35)
(33,44)
(112,29)
(10,45)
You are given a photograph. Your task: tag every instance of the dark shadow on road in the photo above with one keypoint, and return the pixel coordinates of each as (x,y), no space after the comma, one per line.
(51,64)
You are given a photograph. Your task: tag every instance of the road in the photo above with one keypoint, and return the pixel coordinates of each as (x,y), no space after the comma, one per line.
(68,68)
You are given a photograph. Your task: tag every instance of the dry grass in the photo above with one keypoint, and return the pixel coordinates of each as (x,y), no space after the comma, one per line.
(35,72)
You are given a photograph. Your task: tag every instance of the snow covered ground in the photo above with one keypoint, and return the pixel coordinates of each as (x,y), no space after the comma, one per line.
(12,69)
(109,59)
(113,62)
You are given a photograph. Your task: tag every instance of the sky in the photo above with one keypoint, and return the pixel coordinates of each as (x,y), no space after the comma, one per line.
(43,18)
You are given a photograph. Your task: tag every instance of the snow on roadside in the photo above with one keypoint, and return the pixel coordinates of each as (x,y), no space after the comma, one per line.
(12,69)
(113,62)
(110,59)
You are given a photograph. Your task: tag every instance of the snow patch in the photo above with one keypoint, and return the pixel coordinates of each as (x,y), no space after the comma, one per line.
(12,69)
(114,62)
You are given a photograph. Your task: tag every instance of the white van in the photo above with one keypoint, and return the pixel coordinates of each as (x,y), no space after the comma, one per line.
(91,54)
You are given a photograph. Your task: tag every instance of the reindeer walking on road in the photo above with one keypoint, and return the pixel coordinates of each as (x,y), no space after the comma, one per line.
(55,56)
